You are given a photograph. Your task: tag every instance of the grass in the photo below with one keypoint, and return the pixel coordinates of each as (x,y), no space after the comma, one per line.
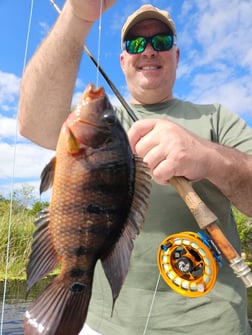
(21,230)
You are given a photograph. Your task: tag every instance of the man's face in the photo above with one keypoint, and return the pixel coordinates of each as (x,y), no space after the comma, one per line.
(150,75)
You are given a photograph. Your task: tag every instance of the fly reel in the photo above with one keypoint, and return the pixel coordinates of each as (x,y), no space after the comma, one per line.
(189,263)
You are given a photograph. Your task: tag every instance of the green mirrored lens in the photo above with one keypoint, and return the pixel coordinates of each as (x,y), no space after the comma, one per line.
(162,42)
(136,46)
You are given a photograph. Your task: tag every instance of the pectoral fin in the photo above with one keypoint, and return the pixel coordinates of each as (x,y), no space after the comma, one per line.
(72,143)
(47,176)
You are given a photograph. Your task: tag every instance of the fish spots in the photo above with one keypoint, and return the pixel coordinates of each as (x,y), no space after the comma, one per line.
(94,209)
(103,188)
(99,209)
(81,251)
(77,272)
(77,288)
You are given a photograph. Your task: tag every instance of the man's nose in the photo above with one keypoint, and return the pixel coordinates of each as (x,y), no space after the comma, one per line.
(149,50)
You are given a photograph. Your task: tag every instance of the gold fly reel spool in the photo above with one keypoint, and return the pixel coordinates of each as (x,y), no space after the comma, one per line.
(187,264)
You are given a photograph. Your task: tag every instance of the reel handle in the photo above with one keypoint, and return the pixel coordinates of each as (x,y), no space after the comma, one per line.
(206,219)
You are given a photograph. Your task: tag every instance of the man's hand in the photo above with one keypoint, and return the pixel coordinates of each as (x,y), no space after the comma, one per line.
(90,10)
(170,150)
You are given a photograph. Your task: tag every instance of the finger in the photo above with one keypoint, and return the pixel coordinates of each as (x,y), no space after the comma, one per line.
(163,172)
(139,129)
(146,143)
(154,157)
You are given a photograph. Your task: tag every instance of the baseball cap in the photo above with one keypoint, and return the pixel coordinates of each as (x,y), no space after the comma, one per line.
(147,12)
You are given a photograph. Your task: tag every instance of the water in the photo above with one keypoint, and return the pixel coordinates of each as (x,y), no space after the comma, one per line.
(13,318)
(16,304)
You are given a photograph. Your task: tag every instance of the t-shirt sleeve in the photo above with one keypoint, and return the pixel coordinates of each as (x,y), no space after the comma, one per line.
(231,130)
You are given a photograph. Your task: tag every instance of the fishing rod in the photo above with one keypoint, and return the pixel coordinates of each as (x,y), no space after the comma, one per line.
(190,247)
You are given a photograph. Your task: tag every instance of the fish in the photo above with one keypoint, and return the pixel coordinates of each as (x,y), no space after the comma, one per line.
(99,200)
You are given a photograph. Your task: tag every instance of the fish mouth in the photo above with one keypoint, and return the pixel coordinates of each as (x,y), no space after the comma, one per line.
(91,124)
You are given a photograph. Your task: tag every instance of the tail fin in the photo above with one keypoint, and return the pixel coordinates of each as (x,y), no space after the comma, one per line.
(60,310)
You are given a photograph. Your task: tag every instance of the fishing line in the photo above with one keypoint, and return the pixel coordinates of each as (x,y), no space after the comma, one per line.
(12,179)
(110,83)
(99,45)
(152,303)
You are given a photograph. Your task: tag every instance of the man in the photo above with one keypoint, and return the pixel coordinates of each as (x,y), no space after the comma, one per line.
(206,144)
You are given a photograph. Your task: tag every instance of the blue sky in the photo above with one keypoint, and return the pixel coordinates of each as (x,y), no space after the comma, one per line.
(214,36)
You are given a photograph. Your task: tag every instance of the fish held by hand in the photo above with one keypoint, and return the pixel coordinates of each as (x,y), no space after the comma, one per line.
(99,199)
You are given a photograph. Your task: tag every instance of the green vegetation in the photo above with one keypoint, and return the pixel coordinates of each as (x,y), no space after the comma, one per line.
(18,214)
(244,225)
(21,229)
(17,217)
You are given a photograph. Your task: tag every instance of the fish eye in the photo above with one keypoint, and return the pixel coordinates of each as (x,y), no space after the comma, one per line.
(110,118)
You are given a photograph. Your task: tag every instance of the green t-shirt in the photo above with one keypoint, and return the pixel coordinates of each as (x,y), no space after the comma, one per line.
(223,310)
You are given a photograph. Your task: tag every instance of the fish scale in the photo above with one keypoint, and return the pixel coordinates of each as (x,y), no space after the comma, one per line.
(100,193)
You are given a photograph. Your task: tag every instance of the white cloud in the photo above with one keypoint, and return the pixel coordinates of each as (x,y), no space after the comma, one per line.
(216,52)
(76,98)
(218,30)
(25,159)
(45,28)
(184,70)
(8,127)
(9,87)
(247,59)
(235,94)
(22,163)
(186,8)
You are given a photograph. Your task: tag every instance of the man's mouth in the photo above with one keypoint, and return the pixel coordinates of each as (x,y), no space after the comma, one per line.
(149,67)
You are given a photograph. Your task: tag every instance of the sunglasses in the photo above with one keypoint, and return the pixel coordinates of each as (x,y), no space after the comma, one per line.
(159,42)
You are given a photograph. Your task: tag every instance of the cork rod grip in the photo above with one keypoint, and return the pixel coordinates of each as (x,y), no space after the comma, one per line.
(205,218)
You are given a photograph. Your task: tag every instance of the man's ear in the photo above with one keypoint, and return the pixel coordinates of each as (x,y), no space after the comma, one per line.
(122,58)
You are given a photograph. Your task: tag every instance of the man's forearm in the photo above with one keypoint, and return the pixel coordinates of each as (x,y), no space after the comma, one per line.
(49,79)
(231,172)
